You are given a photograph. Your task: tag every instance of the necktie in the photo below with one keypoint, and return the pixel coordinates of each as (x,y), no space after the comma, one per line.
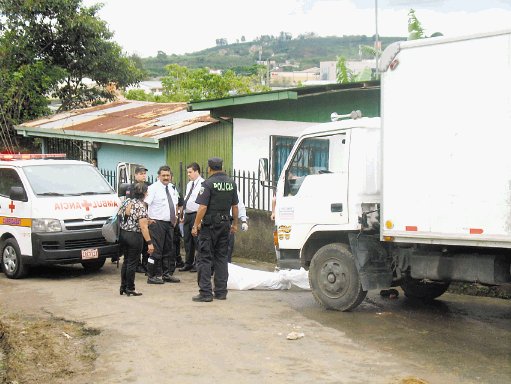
(171,206)
(189,193)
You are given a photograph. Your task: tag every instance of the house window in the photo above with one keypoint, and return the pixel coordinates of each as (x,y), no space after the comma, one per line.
(280,149)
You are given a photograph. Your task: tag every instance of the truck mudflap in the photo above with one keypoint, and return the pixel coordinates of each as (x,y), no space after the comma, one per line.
(372,261)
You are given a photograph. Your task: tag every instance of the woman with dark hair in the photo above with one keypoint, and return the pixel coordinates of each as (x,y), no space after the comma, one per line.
(134,231)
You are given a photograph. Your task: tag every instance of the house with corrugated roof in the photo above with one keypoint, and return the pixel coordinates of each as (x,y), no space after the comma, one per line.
(240,129)
(152,134)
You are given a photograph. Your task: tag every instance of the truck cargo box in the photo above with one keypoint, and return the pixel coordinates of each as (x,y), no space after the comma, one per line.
(446,141)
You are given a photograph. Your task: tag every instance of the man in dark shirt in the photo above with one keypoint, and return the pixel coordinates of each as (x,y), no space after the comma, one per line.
(217,196)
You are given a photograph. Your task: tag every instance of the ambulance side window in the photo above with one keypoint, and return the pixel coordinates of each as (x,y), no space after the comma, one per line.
(8,178)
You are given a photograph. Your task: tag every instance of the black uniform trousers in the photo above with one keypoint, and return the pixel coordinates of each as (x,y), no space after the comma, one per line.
(212,242)
(230,247)
(131,244)
(189,240)
(162,235)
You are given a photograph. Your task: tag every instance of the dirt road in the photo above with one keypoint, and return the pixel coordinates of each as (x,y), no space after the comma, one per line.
(164,337)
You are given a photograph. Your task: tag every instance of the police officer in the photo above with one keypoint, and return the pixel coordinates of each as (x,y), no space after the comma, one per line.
(212,224)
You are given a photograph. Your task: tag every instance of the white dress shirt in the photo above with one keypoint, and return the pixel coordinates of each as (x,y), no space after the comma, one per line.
(242,211)
(191,205)
(157,203)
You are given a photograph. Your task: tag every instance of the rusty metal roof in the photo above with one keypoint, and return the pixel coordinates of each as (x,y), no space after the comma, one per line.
(124,122)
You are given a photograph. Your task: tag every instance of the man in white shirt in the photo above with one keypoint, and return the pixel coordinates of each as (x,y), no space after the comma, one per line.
(190,208)
(162,201)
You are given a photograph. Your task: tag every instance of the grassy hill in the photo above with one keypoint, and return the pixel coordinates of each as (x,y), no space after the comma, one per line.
(303,52)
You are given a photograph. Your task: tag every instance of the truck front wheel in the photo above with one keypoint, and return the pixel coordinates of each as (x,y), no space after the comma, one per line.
(12,265)
(334,279)
(423,290)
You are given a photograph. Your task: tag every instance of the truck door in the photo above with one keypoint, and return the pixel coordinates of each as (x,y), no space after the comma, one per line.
(316,182)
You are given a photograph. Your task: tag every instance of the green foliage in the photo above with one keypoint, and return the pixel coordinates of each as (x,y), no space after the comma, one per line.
(63,42)
(415,30)
(184,84)
(344,74)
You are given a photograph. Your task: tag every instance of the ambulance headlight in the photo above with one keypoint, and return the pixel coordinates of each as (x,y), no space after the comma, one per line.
(46,225)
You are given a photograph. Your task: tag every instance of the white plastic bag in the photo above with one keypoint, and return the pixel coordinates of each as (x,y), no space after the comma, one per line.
(245,278)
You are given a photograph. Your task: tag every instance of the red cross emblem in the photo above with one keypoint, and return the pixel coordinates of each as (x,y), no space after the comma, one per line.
(12,206)
(86,205)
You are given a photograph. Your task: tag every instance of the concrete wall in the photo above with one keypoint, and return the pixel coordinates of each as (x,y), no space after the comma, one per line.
(257,242)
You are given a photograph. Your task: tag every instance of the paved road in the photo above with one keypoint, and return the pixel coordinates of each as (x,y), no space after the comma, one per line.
(164,337)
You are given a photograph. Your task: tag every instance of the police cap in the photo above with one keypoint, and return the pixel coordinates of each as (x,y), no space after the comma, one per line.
(140,169)
(215,163)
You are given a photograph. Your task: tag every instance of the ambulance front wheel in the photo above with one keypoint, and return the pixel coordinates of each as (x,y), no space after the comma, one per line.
(12,264)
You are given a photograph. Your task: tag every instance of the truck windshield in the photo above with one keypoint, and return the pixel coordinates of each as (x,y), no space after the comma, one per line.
(66,180)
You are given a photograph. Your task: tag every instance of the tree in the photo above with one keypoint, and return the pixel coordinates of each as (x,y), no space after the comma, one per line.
(344,74)
(47,47)
(184,84)
(415,30)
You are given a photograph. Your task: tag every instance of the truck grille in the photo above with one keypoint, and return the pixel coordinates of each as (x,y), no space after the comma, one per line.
(85,243)
(79,224)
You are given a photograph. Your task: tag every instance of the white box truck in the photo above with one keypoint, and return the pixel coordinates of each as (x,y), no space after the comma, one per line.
(417,199)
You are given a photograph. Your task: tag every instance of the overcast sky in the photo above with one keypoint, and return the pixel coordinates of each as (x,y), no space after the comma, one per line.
(148,26)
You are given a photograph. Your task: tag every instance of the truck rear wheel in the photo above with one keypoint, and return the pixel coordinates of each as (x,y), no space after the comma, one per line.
(334,279)
(12,265)
(423,290)
(95,265)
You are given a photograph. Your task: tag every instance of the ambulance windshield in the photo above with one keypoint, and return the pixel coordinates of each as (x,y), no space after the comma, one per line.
(66,180)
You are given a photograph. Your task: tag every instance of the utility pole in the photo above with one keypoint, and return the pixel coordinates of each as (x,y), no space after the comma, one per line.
(376,42)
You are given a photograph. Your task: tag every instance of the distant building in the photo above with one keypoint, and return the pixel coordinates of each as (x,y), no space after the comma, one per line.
(328,69)
(151,87)
(294,78)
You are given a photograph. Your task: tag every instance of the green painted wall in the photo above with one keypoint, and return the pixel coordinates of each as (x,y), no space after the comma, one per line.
(314,108)
(214,140)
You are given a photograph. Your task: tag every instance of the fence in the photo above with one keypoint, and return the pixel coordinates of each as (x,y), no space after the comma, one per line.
(251,191)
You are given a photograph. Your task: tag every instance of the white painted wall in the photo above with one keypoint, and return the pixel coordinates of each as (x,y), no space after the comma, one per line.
(251,139)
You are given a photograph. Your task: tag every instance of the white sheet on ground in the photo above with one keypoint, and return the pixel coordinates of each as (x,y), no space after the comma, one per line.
(245,278)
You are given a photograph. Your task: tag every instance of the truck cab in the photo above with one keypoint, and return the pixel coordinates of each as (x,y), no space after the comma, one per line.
(328,184)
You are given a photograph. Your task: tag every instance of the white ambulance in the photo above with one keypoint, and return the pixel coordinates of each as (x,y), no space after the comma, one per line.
(51,212)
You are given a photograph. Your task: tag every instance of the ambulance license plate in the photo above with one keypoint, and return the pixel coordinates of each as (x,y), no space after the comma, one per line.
(91,253)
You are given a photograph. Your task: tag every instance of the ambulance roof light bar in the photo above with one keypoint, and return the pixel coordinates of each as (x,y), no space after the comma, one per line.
(31,156)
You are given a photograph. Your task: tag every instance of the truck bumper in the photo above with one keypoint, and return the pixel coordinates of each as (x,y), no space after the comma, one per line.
(66,247)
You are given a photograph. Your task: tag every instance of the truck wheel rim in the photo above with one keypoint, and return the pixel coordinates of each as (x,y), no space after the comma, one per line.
(334,278)
(9,257)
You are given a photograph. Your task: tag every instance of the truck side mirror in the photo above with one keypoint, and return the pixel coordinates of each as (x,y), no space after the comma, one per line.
(18,194)
(123,187)
(263,170)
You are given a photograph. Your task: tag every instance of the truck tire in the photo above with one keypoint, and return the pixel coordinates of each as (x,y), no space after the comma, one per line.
(94,265)
(12,265)
(334,278)
(423,290)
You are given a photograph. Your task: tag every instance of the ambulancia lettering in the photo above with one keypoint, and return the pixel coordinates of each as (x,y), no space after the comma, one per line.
(223,186)
(85,204)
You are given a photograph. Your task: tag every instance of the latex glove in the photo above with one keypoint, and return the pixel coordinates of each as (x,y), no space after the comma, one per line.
(244,227)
